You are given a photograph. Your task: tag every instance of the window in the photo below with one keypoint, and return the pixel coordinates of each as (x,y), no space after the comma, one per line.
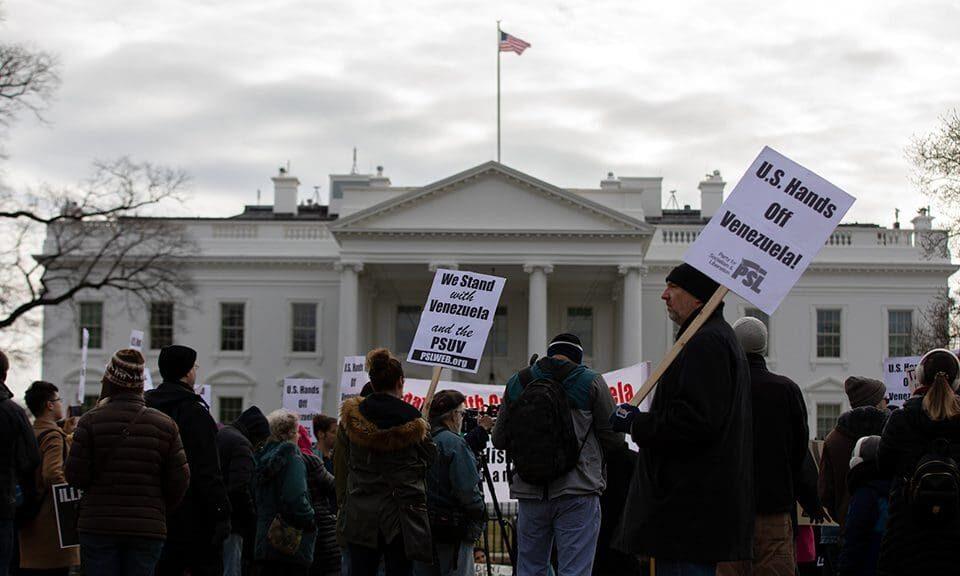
(161,324)
(91,318)
(580,324)
(304,327)
(828,333)
(497,342)
(230,409)
(231,326)
(827,415)
(408,317)
(900,332)
(89,401)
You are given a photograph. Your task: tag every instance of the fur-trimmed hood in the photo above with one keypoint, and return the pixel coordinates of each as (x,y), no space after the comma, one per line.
(382,423)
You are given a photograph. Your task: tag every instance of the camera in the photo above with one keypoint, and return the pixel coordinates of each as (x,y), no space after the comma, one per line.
(471,416)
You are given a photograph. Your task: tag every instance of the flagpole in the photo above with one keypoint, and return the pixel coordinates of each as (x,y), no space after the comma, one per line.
(498,91)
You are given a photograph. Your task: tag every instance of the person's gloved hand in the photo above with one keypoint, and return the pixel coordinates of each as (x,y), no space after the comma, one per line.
(221,531)
(622,417)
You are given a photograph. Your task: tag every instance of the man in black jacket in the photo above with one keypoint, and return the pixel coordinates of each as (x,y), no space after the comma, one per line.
(19,457)
(691,500)
(780,446)
(236,444)
(197,528)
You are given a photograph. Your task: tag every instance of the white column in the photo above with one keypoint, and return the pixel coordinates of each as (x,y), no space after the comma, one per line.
(631,324)
(349,309)
(537,308)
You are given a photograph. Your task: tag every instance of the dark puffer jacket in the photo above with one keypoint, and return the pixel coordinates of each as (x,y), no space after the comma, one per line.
(193,524)
(835,461)
(235,444)
(19,454)
(130,481)
(692,495)
(909,547)
(381,458)
(326,553)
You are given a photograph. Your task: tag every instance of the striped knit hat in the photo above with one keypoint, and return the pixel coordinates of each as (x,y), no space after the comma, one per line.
(125,370)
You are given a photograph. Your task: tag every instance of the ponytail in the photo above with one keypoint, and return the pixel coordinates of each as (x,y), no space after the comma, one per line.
(941,402)
(384,370)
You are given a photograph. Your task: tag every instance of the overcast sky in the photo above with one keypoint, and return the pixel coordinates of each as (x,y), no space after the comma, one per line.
(229,91)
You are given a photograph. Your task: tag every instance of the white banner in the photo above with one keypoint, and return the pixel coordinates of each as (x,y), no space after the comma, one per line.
(304,397)
(899,374)
(456,320)
(82,385)
(136,342)
(352,377)
(773,224)
(622,384)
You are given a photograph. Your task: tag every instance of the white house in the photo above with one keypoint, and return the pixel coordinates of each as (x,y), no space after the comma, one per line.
(287,290)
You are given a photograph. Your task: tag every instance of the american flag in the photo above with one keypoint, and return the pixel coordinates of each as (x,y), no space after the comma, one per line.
(510,43)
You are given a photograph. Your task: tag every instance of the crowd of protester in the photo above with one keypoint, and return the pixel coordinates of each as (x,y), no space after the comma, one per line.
(723,480)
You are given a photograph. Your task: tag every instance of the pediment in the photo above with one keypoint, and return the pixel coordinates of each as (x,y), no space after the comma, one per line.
(491,198)
(828,384)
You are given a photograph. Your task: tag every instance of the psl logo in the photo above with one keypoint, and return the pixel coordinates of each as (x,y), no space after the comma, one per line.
(752,274)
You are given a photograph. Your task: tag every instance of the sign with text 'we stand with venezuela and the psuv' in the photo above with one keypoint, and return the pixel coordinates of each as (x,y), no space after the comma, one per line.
(456,320)
(770,228)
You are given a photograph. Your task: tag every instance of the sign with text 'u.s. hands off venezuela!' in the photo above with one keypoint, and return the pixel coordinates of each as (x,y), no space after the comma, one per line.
(456,320)
(775,221)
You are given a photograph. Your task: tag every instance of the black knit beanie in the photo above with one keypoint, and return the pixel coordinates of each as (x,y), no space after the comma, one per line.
(568,345)
(698,284)
(176,362)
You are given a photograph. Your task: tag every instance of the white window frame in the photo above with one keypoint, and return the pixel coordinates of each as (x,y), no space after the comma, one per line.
(103,324)
(318,352)
(885,343)
(247,325)
(844,331)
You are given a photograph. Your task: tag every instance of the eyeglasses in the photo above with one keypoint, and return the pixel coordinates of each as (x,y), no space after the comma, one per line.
(57,399)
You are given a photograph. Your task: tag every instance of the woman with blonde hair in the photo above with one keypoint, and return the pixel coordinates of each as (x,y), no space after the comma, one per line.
(919,451)
(285,519)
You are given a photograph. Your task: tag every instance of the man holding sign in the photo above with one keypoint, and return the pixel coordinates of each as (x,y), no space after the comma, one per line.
(691,502)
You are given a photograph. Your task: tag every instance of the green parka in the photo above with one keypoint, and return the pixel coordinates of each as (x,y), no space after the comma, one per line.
(281,488)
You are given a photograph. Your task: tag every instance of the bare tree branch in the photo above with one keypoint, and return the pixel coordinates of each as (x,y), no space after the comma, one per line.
(28,81)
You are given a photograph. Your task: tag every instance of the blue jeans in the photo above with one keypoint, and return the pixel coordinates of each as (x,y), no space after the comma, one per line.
(463,552)
(573,521)
(678,568)
(7,542)
(233,555)
(104,555)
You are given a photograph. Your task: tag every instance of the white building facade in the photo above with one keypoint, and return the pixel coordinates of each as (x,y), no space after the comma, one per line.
(287,290)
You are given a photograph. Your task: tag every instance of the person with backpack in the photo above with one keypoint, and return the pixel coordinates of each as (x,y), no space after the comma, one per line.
(19,458)
(691,502)
(919,451)
(236,444)
(867,513)
(554,424)
(199,527)
(381,458)
(129,461)
(40,550)
(453,491)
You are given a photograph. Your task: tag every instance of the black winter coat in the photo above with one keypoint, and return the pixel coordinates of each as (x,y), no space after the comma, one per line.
(19,454)
(326,552)
(780,437)
(192,524)
(692,494)
(908,547)
(237,461)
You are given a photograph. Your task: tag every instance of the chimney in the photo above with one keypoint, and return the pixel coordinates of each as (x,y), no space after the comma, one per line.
(285,193)
(711,194)
(610,183)
(923,221)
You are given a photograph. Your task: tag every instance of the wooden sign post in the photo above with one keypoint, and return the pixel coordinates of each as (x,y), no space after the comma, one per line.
(431,391)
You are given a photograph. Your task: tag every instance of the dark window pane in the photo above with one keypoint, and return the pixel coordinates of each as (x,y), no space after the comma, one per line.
(231,326)
(304,327)
(580,324)
(161,324)
(91,318)
(230,409)
(497,341)
(828,333)
(408,317)
(900,332)
(827,415)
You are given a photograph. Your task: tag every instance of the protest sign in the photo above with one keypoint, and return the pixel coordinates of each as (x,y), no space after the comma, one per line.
(304,397)
(66,505)
(352,377)
(621,383)
(205,393)
(763,237)
(136,342)
(82,385)
(456,320)
(899,374)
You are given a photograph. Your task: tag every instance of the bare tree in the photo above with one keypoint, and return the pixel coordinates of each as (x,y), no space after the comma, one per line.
(938,325)
(28,80)
(93,238)
(936,161)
